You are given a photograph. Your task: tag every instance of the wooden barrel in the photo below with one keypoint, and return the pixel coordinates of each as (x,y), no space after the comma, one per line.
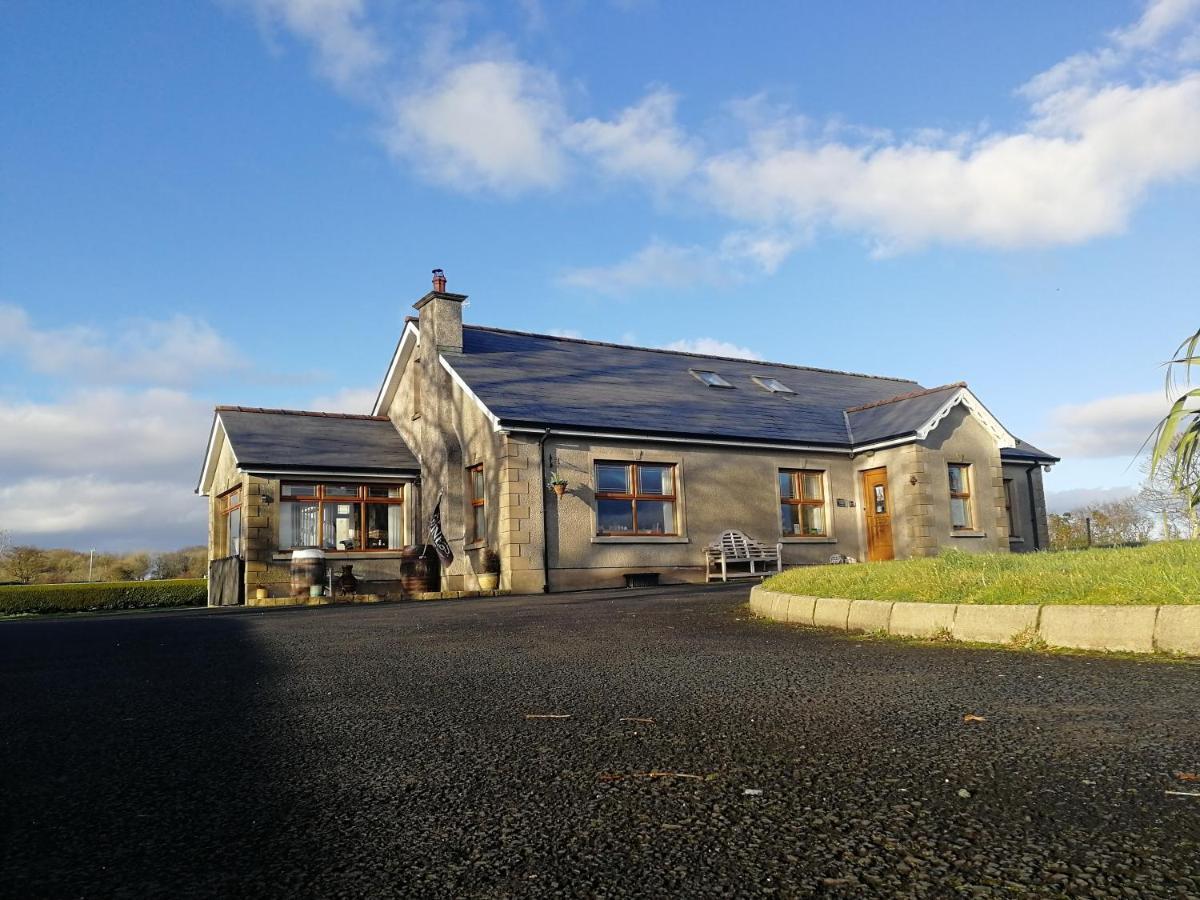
(420,570)
(308,569)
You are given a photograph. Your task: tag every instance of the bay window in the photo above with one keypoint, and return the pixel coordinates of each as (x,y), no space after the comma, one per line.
(635,499)
(341,516)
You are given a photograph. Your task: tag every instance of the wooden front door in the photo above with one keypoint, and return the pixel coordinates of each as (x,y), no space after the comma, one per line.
(877,507)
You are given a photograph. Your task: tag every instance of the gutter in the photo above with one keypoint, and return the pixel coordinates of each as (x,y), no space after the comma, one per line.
(545,526)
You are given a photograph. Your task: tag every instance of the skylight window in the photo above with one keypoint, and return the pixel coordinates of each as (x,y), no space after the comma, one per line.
(774,385)
(712,379)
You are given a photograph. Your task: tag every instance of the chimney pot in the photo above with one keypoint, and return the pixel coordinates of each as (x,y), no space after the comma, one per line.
(439,281)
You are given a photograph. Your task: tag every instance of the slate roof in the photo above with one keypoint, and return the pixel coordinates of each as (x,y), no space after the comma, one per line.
(1026,452)
(541,380)
(284,440)
(899,415)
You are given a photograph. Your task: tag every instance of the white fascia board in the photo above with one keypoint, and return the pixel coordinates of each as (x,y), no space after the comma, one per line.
(1002,435)
(466,388)
(325,473)
(208,470)
(654,438)
(387,390)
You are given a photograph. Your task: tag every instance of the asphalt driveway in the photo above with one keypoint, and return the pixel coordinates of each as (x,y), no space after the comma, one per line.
(386,751)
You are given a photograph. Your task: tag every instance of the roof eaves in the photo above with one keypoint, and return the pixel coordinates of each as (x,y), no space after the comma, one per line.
(300,412)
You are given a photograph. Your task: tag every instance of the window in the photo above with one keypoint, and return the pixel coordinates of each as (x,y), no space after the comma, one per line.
(960,496)
(635,498)
(231,512)
(802,503)
(478,515)
(341,516)
(774,385)
(1008,509)
(712,379)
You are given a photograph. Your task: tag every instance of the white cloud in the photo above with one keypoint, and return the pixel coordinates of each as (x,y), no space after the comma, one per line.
(1081,498)
(153,433)
(707,346)
(643,142)
(565,333)
(488,124)
(360,400)
(1075,173)
(175,351)
(657,264)
(347,49)
(1115,426)
(1103,128)
(86,511)
(1143,40)
(680,267)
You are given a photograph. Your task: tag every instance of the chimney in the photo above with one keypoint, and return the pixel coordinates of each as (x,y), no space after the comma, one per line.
(440,319)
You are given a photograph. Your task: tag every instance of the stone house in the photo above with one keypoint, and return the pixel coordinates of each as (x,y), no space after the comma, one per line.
(660,452)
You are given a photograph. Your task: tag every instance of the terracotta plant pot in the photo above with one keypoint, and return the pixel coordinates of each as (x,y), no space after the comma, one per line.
(559,488)
(488,581)
(260,593)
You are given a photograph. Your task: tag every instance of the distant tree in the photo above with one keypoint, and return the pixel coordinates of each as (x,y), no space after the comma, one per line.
(1113,523)
(1165,501)
(189,562)
(129,567)
(1176,441)
(25,564)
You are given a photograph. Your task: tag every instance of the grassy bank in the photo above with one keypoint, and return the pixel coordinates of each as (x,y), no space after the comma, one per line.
(46,598)
(1166,572)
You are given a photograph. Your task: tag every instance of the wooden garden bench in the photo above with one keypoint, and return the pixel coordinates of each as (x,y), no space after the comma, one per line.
(735,547)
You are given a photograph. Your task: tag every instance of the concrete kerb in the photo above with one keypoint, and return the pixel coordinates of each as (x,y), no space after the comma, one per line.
(869,615)
(1177,630)
(1099,627)
(993,624)
(1137,629)
(922,619)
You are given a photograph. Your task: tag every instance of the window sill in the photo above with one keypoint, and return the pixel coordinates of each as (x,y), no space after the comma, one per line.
(639,539)
(808,540)
(968,534)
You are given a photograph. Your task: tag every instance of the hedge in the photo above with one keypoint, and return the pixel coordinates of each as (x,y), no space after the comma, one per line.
(45,598)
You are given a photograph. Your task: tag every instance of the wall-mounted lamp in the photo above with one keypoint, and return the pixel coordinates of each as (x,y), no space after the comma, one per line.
(912,479)
(267,499)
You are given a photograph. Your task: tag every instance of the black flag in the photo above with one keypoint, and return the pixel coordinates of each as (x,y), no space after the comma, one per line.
(437,537)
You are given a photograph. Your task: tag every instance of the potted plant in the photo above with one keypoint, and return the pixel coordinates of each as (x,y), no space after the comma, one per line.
(260,593)
(489,576)
(558,483)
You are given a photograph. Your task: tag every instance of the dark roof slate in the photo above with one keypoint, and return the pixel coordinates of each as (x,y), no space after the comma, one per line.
(897,416)
(1026,452)
(293,440)
(540,380)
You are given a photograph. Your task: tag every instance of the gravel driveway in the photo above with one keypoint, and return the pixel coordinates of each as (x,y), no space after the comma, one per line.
(387,751)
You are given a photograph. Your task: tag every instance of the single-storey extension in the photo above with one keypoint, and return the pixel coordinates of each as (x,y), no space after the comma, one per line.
(580,463)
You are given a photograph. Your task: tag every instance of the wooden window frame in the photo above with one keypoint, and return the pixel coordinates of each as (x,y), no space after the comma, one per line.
(361,497)
(226,509)
(634,496)
(797,477)
(477,503)
(964,495)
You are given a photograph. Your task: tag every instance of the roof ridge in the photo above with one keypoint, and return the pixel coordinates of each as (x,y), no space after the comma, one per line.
(299,412)
(911,395)
(737,359)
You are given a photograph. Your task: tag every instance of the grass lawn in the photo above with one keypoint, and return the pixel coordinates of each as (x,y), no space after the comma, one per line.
(1167,572)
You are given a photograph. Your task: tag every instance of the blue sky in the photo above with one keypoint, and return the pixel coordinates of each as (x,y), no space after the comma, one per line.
(238,201)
